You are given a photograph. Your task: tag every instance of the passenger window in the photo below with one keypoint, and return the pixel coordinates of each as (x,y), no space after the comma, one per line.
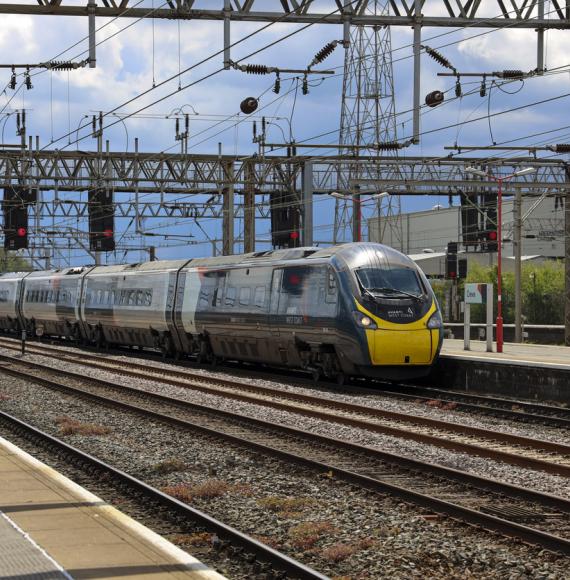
(244,295)
(140,298)
(260,296)
(231,296)
(293,280)
(215,300)
(132,297)
(148,298)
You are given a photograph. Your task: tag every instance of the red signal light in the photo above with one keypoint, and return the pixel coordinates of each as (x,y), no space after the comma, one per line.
(294,235)
(108,233)
(294,279)
(453,274)
(492,236)
(21,232)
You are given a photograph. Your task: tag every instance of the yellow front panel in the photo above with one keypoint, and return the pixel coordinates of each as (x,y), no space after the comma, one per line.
(391,347)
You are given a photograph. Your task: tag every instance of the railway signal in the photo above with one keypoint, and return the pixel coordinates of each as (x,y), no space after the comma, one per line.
(101,221)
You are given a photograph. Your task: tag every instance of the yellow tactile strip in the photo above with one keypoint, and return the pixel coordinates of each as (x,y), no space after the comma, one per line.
(80,532)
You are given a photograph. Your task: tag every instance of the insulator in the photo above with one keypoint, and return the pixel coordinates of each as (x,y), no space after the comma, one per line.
(186,123)
(434,98)
(254,129)
(263,125)
(277,86)
(305,87)
(177,127)
(94,123)
(324,53)
(389,145)
(13,79)
(62,65)
(512,74)
(483,88)
(248,105)
(293,150)
(562,148)
(256,69)
(28,80)
(438,57)
(458,91)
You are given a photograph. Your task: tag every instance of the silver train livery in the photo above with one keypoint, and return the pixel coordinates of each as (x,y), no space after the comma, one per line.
(359,309)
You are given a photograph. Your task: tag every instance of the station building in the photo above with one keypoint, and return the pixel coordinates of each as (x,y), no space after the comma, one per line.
(424,235)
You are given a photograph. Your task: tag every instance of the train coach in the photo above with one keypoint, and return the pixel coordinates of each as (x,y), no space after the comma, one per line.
(353,309)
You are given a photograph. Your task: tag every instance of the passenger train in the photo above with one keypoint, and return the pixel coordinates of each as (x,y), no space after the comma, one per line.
(358,309)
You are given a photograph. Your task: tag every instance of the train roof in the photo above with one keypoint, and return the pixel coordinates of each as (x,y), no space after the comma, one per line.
(354,255)
(58,273)
(158,265)
(13,275)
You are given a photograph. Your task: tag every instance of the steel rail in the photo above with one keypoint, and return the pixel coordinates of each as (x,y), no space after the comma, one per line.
(479,403)
(472,448)
(465,514)
(560,416)
(235,537)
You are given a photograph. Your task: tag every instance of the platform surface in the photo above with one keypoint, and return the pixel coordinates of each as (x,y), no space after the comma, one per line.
(529,354)
(51,528)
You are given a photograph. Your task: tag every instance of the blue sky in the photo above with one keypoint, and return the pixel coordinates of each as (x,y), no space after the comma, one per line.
(126,62)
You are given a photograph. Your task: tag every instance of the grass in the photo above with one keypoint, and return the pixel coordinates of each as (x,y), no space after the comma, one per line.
(288,507)
(342,550)
(169,466)
(304,536)
(209,489)
(69,426)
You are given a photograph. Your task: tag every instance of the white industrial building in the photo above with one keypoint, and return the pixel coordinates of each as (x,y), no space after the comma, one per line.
(424,235)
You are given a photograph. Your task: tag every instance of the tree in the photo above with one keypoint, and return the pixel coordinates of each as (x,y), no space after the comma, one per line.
(10,262)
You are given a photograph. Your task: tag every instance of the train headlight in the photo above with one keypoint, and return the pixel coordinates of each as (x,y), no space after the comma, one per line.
(364,321)
(435,320)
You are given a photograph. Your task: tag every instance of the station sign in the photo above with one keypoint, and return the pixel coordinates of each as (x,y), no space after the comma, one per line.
(475,293)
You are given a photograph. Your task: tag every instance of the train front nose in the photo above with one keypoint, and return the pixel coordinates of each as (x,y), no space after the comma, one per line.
(401,347)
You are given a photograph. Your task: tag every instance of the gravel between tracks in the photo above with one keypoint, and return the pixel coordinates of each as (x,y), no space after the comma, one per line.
(544,482)
(392,539)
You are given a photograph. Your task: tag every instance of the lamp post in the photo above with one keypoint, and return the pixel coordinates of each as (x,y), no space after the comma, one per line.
(357,202)
(499,181)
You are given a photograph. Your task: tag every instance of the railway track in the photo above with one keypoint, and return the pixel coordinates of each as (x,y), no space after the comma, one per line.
(513,410)
(509,510)
(495,406)
(522,451)
(257,558)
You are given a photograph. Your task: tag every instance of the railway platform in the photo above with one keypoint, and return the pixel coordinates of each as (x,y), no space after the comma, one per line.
(51,528)
(529,371)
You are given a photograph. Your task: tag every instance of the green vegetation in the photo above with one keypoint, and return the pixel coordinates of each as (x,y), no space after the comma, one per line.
(542,292)
(12,263)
